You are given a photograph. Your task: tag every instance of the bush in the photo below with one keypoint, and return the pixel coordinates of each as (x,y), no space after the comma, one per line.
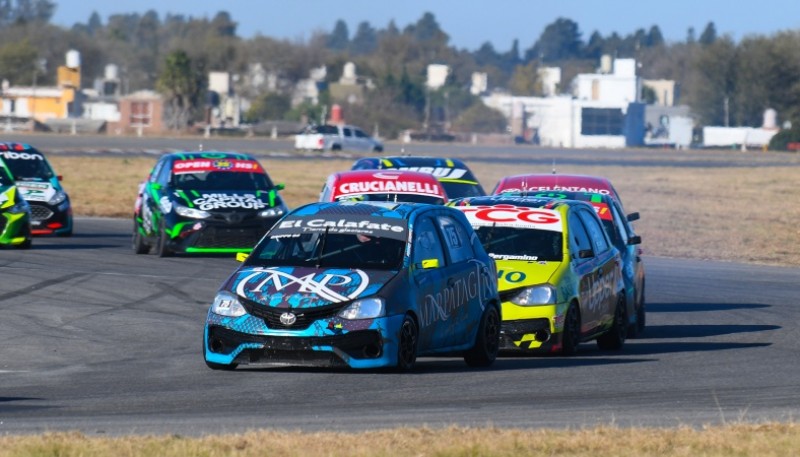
(781,140)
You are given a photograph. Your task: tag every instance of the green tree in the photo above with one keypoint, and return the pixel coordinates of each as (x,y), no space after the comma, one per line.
(25,11)
(339,39)
(270,106)
(178,81)
(654,37)
(18,62)
(525,80)
(479,118)
(712,96)
(365,41)
(709,34)
(559,40)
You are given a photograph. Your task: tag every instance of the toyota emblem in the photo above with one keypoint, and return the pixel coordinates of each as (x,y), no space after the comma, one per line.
(288,318)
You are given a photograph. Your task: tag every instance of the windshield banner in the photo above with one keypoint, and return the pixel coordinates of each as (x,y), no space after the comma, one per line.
(206,165)
(383,227)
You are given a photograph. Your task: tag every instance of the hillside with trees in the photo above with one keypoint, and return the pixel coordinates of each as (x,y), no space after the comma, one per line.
(725,82)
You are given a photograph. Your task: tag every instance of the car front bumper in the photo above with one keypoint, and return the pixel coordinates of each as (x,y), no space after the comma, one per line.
(329,342)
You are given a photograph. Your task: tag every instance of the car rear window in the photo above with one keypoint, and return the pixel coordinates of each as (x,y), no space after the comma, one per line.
(325,130)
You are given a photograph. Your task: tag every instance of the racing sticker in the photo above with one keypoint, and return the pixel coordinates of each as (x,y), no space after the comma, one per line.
(335,285)
(523,188)
(513,216)
(206,165)
(384,227)
(211,201)
(387,182)
(10,155)
(439,172)
(36,191)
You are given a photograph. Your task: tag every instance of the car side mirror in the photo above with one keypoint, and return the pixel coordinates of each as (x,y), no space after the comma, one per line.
(60,178)
(280,186)
(242,256)
(636,239)
(429,264)
(156,186)
(585,254)
(633,217)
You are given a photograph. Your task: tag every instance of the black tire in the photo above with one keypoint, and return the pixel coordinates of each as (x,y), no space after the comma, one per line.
(25,244)
(336,147)
(139,247)
(161,245)
(487,341)
(641,314)
(571,334)
(407,341)
(377,149)
(615,337)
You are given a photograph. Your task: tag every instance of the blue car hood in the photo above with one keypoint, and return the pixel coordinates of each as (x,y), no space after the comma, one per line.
(299,287)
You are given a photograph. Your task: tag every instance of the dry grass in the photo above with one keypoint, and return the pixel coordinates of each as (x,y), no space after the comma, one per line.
(764,440)
(730,214)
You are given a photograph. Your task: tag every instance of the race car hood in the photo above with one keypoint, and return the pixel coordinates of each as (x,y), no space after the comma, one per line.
(36,190)
(227,200)
(513,274)
(296,287)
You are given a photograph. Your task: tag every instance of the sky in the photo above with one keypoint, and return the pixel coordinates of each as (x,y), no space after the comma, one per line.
(470,23)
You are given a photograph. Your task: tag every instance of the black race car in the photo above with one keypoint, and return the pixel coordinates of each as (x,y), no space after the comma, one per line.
(205,202)
(456,178)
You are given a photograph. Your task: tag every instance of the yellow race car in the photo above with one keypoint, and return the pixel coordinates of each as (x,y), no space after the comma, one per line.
(559,276)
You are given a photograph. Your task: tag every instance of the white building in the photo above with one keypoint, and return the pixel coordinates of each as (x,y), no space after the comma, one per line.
(437,76)
(595,116)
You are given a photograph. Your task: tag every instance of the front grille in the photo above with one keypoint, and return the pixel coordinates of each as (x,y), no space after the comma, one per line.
(305,316)
(234,217)
(352,343)
(221,237)
(40,213)
(522,327)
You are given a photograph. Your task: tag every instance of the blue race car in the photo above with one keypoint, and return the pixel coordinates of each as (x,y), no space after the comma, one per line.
(362,285)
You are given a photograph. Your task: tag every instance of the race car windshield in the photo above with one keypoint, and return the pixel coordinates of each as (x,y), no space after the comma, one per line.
(509,243)
(460,190)
(394,198)
(329,250)
(32,168)
(222,181)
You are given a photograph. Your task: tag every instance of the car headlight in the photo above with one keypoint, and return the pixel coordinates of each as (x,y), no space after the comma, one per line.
(192,213)
(276,211)
(368,308)
(536,295)
(227,304)
(57,198)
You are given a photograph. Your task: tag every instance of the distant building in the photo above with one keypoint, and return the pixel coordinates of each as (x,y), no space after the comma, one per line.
(551,80)
(480,83)
(666,91)
(437,76)
(141,113)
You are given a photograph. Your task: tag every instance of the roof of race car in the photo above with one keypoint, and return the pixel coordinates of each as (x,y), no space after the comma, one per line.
(370,209)
(549,181)
(195,155)
(441,167)
(357,182)
(12,146)
(599,201)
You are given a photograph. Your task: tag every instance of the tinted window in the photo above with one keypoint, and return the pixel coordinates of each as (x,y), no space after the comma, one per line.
(426,242)
(619,234)
(28,164)
(458,190)
(456,239)
(359,133)
(601,121)
(326,130)
(156,170)
(221,181)
(347,132)
(595,231)
(509,243)
(578,237)
(329,250)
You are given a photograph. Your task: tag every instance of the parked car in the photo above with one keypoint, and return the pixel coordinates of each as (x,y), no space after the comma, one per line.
(205,202)
(620,232)
(40,186)
(336,138)
(559,275)
(350,284)
(15,213)
(541,182)
(457,179)
(383,186)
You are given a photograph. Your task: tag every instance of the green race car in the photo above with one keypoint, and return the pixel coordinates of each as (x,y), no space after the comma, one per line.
(205,202)
(15,213)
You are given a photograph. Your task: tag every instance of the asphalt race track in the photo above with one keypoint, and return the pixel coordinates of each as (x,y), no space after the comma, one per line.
(97,339)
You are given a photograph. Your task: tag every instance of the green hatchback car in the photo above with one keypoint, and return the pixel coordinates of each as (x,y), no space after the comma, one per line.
(15,213)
